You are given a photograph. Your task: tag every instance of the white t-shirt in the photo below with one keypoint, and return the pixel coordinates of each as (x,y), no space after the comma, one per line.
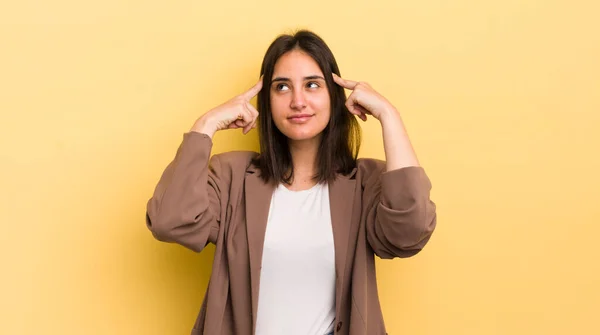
(297,280)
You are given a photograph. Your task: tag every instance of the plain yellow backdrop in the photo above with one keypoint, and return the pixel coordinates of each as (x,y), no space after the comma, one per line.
(501,100)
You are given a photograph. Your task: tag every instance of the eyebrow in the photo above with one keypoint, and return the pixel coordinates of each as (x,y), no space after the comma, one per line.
(305,78)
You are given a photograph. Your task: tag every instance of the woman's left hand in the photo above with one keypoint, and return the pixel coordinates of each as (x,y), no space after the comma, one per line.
(364,99)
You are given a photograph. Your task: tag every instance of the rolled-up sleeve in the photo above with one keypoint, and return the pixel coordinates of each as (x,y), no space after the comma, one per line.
(401,217)
(186,205)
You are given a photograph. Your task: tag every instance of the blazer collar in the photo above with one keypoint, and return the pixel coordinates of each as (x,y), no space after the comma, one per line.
(258,200)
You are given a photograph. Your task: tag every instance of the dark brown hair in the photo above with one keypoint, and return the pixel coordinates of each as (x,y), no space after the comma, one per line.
(340,140)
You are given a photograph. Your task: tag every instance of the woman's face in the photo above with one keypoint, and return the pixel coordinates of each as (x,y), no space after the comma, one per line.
(300,102)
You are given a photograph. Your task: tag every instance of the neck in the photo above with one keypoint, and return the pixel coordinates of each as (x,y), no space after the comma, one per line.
(304,157)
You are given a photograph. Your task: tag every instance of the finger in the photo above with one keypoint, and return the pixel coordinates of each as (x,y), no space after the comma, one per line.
(252,110)
(350,107)
(253,91)
(254,114)
(348,84)
(247,118)
(355,108)
(239,123)
(363,112)
(361,109)
(250,126)
(245,114)
(351,104)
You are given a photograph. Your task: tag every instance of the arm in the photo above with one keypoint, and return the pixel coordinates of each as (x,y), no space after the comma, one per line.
(186,205)
(405,215)
(399,152)
(400,217)
(190,198)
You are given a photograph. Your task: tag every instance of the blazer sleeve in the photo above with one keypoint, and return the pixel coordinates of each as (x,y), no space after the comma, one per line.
(186,205)
(400,216)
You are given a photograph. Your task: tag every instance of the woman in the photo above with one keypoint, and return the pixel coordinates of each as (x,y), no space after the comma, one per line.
(297,226)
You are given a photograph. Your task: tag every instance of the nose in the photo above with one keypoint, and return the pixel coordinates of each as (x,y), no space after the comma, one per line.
(298,100)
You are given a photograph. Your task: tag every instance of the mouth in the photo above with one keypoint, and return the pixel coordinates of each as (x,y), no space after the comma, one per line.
(300,118)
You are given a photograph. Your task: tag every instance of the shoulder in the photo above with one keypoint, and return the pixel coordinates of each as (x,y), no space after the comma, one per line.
(369,166)
(368,170)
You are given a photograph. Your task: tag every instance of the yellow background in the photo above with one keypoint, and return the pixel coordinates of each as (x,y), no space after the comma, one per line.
(501,99)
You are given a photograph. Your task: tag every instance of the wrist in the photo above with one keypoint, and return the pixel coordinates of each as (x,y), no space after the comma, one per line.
(389,114)
(205,126)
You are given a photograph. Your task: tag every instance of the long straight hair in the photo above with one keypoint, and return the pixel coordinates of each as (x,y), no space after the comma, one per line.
(341,138)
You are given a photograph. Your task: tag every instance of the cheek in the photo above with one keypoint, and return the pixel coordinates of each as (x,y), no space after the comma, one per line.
(278,105)
(323,105)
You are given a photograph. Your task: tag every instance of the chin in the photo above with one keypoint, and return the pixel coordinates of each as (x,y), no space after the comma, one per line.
(299,135)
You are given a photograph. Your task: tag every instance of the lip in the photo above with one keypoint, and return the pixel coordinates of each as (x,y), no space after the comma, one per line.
(300,118)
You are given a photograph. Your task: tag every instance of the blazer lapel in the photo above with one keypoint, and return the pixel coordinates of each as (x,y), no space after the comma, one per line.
(258,201)
(341,196)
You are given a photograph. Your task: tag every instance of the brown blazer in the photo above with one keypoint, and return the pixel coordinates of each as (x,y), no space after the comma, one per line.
(222,200)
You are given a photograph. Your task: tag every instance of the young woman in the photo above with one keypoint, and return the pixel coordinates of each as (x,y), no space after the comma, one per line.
(297,226)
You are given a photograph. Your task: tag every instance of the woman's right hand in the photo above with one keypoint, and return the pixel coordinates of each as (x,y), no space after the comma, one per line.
(233,114)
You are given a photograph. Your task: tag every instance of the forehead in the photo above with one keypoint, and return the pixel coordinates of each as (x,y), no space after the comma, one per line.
(296,63)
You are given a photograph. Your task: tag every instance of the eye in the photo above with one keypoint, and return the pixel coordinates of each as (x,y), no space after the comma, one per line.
(282,87)
(313,84)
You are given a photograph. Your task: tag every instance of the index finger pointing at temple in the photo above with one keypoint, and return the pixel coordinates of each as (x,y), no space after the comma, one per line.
(348,84)
(253,91)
